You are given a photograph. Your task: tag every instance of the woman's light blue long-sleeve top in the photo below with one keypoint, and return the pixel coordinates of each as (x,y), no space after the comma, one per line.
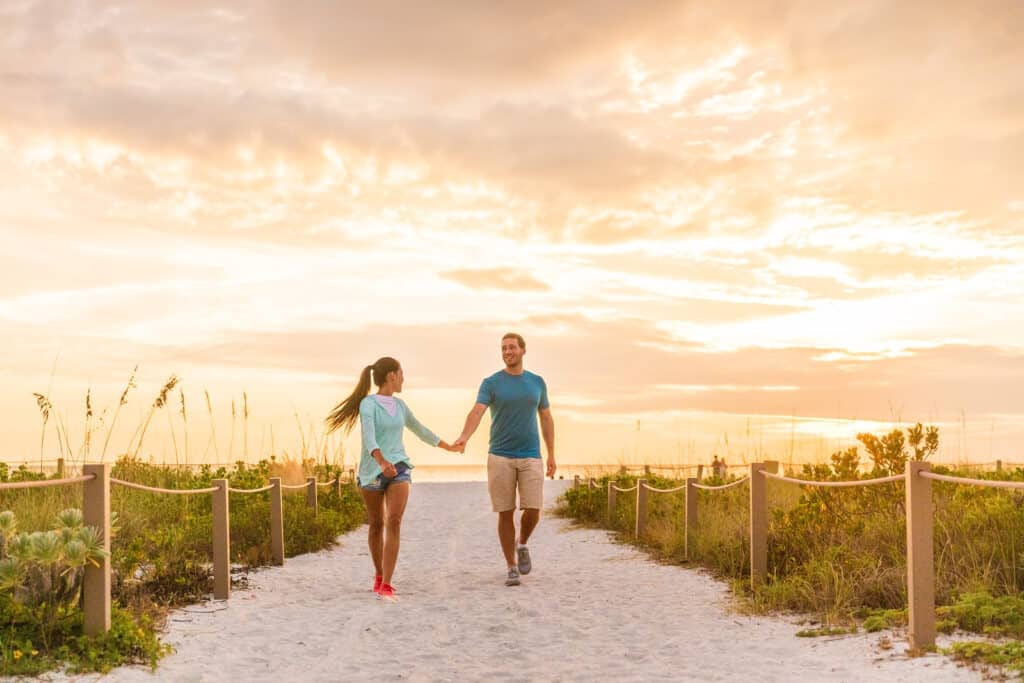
(384,431)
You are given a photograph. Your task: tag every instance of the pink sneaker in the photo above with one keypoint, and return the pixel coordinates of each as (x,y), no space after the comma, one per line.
(387,592)
(377,581)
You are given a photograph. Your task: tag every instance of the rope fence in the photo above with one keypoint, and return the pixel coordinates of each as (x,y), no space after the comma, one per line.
(96,482)
(834,484)
(154,489)
(43,483)
(974,482)
(917,480)
(722,487)
(259,490)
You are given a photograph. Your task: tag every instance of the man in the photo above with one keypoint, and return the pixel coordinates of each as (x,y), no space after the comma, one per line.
(516,398)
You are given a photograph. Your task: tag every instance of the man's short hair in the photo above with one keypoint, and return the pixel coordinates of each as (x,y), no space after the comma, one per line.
(517,337)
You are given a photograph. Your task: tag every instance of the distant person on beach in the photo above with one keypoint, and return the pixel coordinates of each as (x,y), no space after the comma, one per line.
(516,398)
(718,468)
(385,473)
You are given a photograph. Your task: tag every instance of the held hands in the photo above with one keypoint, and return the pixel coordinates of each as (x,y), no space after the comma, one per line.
(454,447)
(551,468)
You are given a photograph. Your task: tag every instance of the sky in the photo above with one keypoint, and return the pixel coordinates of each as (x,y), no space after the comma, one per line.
(748,228)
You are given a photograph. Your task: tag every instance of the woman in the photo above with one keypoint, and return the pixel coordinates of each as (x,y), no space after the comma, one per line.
(384,468)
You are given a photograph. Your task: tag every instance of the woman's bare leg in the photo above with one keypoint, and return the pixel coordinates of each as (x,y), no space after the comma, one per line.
(375,517)
(397,496)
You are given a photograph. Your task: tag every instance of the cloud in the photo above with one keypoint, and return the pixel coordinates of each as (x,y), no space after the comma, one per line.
(497,278)
(630,366)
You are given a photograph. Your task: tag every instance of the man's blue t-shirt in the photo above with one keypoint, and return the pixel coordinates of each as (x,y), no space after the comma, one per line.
(514,401)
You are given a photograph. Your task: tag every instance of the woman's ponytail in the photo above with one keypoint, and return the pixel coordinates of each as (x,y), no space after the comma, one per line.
(346,413)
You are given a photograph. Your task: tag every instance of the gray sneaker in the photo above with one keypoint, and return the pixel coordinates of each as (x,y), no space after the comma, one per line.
(513,577)
(523,557)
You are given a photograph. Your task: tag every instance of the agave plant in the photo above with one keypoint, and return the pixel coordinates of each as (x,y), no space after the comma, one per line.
(8,527)
(12,573)
(43,570)
(20,546)
(47,547)
(70,518)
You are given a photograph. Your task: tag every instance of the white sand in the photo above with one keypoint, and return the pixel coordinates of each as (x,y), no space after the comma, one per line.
(591,609)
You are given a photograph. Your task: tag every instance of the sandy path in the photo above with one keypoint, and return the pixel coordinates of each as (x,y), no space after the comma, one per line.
(590,609)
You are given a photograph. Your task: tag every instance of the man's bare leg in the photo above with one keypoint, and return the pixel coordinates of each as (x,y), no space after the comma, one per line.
(527,523)
(507,535)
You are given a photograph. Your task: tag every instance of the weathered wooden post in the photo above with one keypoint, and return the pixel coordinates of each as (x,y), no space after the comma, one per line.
(352,477)
(691,515)
(276,522)
(999,465)
(641,508)
(647,470)
(700,472)
(311,498)
(60,468)
(611,502)
(221,541)
(920,558)
(758,525)
(337,484)
(96,513)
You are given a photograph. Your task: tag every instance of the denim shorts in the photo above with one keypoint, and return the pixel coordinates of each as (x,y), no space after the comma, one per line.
(381,483)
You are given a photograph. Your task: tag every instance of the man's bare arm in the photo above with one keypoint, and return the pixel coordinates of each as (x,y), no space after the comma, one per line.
(547,429)
(472,422)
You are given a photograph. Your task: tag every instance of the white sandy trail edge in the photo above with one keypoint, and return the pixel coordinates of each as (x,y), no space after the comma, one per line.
(591,609)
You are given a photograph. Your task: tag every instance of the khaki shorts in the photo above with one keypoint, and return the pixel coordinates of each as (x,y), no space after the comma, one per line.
(505,475)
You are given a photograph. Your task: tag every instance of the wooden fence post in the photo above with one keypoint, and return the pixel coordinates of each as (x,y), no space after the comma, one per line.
(700,472)
(311,497)
(641,508)
(647,470)
(999,465)
(920,558)
(611,502)
(221,542)
(276,522)
(352,477)
(60,468)
(691,515)
(96,513)
(758,525)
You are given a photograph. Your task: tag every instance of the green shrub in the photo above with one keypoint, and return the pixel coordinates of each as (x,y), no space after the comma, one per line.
(840,553)
(161,555)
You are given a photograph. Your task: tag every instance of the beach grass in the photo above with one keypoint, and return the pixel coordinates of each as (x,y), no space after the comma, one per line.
(161,548)
(839,554)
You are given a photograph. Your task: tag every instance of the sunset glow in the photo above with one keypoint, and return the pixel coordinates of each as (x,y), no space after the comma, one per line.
(721,227)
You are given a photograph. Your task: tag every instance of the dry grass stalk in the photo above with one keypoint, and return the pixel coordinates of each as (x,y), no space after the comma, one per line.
(245,426)
(213,431)
(159,402)
(113,422)
(231,441)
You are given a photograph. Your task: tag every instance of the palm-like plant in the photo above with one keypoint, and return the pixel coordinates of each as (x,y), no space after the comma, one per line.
(44,570)
(12,573)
